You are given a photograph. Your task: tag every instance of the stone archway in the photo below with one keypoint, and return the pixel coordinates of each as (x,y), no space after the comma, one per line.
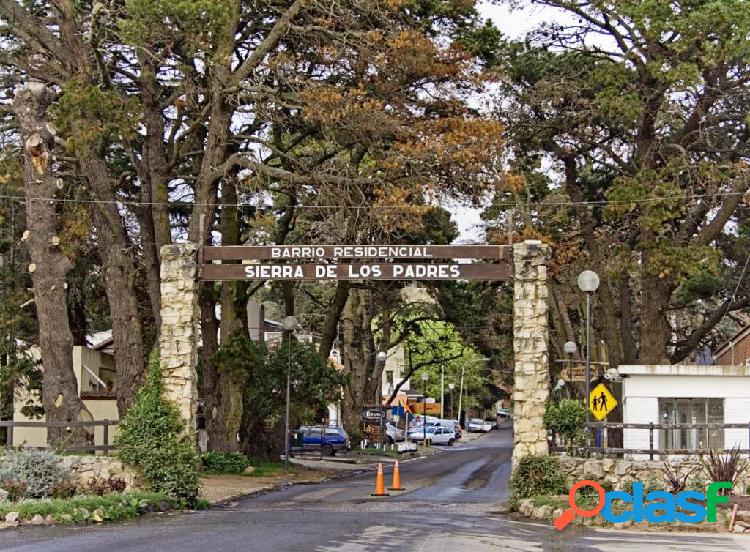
(178,341)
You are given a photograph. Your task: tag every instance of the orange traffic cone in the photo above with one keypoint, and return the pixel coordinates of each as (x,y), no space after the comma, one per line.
(396,480)
(379,483)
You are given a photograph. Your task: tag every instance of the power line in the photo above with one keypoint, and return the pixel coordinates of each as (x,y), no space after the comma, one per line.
(541,204)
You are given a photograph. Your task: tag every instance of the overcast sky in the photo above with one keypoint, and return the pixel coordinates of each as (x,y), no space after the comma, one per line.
(514,24)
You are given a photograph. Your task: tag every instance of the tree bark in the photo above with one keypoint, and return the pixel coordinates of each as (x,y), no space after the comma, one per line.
(333,316)
(119,284)
(60,396)
(655,330)
(120,281)
(224,396)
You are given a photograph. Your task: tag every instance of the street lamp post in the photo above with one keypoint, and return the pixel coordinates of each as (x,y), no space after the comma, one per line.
(425,377)
(442,392)
(588,282)
(289,324)
(381,357)
(450,388)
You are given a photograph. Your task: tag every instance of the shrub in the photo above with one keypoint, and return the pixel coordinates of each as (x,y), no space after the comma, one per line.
(16,489)
(100,486)
(153,438)
(676,481)
(567,419)
(724,467)
(537,474)
(38,469)
(224,462)
(65,488)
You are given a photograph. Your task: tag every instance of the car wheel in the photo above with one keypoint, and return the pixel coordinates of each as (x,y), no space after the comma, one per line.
(327,450)
(450,442)
(390,440)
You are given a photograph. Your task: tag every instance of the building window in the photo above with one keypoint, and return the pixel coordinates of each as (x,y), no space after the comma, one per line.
(691,411)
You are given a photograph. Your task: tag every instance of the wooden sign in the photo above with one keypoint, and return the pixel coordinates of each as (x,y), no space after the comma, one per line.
(399,271)
(316,252)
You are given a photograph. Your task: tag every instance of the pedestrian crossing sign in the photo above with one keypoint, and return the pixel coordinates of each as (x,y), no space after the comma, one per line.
(601,402)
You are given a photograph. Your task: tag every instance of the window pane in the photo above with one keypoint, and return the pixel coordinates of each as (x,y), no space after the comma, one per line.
(716,416)
(682,416)
(666,413)
(698,437)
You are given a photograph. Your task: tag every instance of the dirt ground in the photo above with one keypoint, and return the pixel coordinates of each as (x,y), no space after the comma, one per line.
(218,488)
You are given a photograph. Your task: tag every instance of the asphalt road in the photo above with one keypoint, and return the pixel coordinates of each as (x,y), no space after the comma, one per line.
(451,505)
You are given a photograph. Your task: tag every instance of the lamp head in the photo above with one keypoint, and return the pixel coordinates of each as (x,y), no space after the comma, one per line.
(570,347)
(382,357)
(289,323)
(425,376)
(588,281)
(451,386)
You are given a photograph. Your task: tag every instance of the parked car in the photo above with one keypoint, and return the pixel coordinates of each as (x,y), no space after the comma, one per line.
(504,413)
(437,435)
(394,433)
(329,440)
(453,424)
(492,421)
(476,425)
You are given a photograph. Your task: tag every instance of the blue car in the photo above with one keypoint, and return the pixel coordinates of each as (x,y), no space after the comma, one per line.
(329,440)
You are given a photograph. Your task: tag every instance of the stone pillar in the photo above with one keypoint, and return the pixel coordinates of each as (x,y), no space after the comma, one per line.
(178,340)
(530,348)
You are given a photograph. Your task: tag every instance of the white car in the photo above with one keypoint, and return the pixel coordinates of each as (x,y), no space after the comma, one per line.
(477,425)
(505,413)
(394,433)
(436,435)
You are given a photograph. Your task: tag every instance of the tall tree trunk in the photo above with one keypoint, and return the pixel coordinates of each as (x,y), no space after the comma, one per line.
(655,329)
(212,389)
(333,316)
(224,396)
(120,282)
(358,357)
(50,266)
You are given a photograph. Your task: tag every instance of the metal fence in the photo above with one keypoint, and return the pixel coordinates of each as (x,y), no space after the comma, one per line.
(106,447)
(651,451)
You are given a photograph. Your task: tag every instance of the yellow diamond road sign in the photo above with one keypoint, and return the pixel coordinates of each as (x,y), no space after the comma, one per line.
(601,402)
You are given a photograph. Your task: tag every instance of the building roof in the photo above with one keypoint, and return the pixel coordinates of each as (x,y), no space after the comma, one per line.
(683,370)
(739,336)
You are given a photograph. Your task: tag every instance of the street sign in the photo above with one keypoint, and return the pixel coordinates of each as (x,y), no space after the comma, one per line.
(443,271)
(578,373)
(316,252)
(601,402)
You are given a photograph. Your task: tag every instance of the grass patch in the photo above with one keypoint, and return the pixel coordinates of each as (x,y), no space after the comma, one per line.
(267,469)
(548,500)
(80,509)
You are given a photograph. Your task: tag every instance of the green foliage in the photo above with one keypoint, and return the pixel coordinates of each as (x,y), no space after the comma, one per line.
(157,22)
(262,372)
(82,509)
(39,470)
(153,438)
(537,474)
(107,116)
(567,419)
(224,462)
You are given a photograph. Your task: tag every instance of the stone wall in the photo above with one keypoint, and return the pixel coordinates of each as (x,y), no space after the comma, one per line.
(85,468)
(178,339)
(619,473)
(530,348)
